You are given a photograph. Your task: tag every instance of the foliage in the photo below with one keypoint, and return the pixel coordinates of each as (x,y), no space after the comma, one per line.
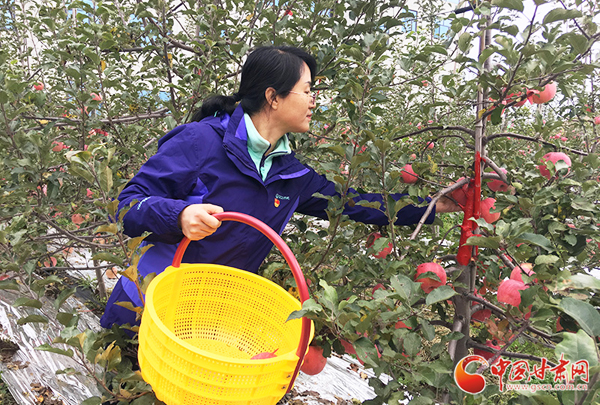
(117,75)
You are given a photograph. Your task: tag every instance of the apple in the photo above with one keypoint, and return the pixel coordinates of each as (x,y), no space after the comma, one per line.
(429,284)
(39,86)
(508,292)
(402,325)
(264,355)
(515,96)
(314,361)
(543,96)
(597,120)
(484,353)
(377,287)
(96,97)
(414,156)
(516,273)
(460,194)
(385,251)
(486,206)
(408,174)
(498,185)
(483,314)
(348,347)
(552,157)
(430,145)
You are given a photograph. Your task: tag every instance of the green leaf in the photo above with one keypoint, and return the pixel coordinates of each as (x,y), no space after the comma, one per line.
(492,242)
(62,297)
(365,349)
(440,294)
(26,302)
(330,293)
(309,305)
(577,346)
(9,285)
(535,239)
(585,314)
(559,14)
(464,41)
(106,179)
(546,259)
(402,285)
(412,344)
(32,319)
(108,257)
(582,281)
(110,228)
(510,4)
(47,348)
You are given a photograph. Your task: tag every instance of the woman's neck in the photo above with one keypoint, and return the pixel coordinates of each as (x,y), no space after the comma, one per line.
(267,129)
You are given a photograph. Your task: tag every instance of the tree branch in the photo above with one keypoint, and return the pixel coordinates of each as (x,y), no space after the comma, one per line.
(528,138)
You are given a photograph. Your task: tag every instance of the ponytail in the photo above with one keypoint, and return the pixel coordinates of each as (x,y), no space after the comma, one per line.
(214,104)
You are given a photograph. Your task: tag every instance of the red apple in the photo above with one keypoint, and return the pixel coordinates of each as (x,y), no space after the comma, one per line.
(498,185)
(486,206)
(314,362)
(543,96)
(484,353)
(597,120)
(515,96)
(516,273)
(377,287)
(552,157)
(39,86)
(265,355)
(508,292)
(428,284)
(402,325)
(96,97)
(414,156)
(385,251)
(348,347)
(430,145)
(483,314)
(408,175)
(460,194)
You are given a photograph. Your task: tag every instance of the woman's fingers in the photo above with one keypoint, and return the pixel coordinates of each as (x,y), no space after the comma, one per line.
(197,221)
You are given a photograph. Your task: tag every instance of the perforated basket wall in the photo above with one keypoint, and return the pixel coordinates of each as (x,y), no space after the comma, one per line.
(201,325)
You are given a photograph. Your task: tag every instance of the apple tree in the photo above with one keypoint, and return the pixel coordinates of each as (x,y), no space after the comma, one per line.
(473,101)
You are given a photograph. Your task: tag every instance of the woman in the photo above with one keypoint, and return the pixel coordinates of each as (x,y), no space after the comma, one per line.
(235,159)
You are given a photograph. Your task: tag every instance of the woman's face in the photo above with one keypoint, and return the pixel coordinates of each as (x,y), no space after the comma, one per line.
(295,108)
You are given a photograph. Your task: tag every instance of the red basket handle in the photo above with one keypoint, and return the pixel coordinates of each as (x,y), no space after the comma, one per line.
(290,259)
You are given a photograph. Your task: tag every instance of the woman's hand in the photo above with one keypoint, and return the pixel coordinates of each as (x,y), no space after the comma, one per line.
(196,221)
(445,204)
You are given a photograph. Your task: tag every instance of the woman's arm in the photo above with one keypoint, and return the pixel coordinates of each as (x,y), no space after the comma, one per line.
(316,206)
(161,185)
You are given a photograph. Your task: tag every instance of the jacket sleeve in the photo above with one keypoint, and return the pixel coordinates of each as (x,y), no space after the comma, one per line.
(160,187)
(316,206)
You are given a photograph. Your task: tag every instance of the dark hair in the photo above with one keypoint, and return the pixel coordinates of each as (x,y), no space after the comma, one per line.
(278,67)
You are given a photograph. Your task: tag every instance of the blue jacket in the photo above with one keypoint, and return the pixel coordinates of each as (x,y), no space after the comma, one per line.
(208,162)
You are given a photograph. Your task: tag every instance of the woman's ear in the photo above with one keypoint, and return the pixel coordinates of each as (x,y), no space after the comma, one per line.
(271,97)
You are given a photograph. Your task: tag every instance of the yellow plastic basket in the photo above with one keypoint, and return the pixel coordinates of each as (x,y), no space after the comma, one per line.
(202,323)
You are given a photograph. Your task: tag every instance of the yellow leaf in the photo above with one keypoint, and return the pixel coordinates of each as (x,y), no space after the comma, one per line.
(102,65)
(44,122)
(131,273)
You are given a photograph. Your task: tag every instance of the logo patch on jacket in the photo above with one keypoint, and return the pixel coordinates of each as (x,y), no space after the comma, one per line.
(278,199)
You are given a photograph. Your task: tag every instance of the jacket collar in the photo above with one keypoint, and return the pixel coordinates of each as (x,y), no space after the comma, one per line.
(235,141)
